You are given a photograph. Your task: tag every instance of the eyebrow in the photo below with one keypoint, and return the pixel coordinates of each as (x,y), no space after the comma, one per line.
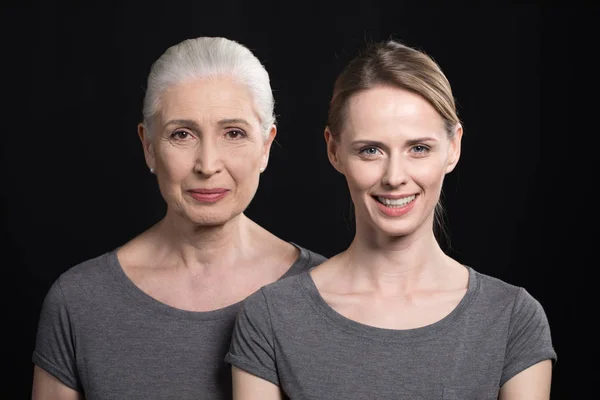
(410,142)
(367,143)
(234,121)
(192,124)
(184,122)
(421,140)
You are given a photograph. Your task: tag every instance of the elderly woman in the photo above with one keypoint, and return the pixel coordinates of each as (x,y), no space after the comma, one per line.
(153,318)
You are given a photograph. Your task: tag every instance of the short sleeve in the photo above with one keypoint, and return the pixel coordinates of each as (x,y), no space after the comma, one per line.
(251,347)
(54,350)
(529,340)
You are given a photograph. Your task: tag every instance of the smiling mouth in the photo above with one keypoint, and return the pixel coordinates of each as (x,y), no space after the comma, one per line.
(395,203)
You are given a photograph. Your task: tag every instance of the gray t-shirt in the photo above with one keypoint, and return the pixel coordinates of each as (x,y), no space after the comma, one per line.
(100,334)
(287,334)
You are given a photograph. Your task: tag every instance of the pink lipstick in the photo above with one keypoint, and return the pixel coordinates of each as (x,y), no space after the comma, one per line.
(208,195)
(395,206)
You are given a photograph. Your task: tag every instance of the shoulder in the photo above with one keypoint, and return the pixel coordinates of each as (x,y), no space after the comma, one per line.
(84,278)
(71,294)
(311,258)
(306,260)
(284,294)
(498,294)
(281,302)
(286,287)
(495,289)
(518,321)
(89,269)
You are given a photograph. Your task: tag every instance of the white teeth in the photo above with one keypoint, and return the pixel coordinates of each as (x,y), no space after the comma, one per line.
(396,202)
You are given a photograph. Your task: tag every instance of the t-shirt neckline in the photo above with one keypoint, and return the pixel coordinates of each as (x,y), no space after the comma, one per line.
(128,287)
(371,332)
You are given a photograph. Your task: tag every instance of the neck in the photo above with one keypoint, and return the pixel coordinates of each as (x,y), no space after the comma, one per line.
(203,247)
(394,264)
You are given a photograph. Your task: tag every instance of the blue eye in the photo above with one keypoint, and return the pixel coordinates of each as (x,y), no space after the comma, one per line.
(420,149)
(369,151)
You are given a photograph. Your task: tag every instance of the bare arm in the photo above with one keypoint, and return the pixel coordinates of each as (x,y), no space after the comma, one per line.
(47,387)
(532,383)
(250,387)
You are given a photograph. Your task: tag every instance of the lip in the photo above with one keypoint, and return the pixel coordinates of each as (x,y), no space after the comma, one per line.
(395,211)
(208,195)
(394,196)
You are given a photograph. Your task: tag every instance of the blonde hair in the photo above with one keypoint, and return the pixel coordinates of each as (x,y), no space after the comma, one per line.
(393,64)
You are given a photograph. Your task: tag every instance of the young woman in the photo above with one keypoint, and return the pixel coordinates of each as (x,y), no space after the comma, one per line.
(393,316)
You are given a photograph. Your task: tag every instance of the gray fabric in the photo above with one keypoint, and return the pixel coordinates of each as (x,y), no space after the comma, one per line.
(100,334)
(287,334)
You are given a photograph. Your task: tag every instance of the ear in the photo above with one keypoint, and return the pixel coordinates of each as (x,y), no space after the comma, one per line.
(147,145)
(332,150)
(267,147)
(454,149)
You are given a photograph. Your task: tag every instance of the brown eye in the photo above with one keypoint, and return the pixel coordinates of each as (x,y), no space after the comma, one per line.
(235,134)
(180,135)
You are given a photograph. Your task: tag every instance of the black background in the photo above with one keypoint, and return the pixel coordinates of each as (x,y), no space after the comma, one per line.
(74,183)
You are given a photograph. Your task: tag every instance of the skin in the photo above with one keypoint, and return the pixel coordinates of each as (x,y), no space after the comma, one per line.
(200,256)
(47,387)
(394,275)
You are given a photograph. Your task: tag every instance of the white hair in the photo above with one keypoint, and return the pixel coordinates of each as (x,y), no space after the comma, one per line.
(208,57)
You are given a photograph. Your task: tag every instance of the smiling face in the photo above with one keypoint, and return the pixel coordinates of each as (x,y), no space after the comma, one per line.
(207,149)
(394,151)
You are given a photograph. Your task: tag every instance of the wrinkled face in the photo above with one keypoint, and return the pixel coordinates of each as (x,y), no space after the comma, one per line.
(207,149)
(394,151)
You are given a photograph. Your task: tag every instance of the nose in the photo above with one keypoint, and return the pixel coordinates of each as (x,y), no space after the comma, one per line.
(395,173)
(209,158)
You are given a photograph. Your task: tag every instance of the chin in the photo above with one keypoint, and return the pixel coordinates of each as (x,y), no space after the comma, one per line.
(208,222)
(395,230)
(214,217)
(392,227)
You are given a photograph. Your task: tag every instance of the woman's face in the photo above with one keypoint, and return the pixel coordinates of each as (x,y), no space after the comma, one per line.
(394,151)
(207,149)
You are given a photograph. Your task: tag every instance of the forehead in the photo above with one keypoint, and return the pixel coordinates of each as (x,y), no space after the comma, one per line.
(385,110)
(208,100)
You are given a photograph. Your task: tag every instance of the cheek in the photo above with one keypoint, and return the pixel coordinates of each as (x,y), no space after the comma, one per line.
(363,175)
(243,163)
(429,173)
(177,163)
